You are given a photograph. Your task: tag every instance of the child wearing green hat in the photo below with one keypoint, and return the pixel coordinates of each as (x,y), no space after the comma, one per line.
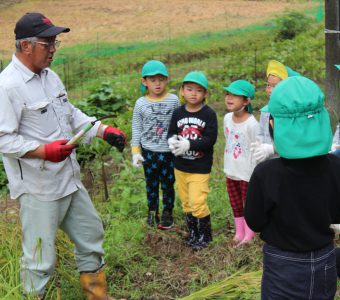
(335,149)
(150,149)
(263,148)
(292,200)
(192,135)
(240,130)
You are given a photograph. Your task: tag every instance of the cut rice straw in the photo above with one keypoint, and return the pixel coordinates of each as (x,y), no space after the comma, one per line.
(235,286)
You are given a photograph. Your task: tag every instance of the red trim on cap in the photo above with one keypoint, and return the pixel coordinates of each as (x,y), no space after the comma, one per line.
(47,21)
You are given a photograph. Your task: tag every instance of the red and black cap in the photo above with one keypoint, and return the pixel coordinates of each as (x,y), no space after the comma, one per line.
(36,25)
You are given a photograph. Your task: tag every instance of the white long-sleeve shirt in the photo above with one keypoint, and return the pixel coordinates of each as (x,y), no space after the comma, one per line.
(35,110)
(239,162)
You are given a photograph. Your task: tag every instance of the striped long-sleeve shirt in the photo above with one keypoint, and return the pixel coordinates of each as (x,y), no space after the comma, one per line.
(150,123)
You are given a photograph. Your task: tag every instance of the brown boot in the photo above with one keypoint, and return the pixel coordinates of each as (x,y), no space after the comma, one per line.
(94,284)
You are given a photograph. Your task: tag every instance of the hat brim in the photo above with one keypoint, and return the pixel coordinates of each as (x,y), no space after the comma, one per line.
(234,91)
(304,136)
(337,66)
(52,31)
(264,109)
(197,82)
(156,72)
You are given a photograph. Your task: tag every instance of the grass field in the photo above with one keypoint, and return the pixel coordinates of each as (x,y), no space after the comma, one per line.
(140,20)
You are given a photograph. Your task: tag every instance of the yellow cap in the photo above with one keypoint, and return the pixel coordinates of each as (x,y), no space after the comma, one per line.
(277,69)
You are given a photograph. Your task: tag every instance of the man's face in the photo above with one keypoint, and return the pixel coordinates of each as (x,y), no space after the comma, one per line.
(42,53)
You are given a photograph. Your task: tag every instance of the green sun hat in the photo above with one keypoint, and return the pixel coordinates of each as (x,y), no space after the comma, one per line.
(242,88)
(302,125)
(291,72)
(151,68)
(338,66)
(154,67)
(197,77)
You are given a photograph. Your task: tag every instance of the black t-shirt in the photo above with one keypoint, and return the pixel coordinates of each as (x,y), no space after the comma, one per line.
(200,128)
(292,202)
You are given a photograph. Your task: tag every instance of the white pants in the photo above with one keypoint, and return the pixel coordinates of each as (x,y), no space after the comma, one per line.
(77,217)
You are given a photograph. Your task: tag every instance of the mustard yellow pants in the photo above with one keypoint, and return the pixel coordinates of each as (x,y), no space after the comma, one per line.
(193,191)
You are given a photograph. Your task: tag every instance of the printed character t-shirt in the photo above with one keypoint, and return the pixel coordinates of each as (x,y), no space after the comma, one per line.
(200,128)
(238,159)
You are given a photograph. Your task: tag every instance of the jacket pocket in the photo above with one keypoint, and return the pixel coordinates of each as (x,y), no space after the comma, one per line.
(40,118)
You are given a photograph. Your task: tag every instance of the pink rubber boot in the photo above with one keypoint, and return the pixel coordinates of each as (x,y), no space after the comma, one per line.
(239,228)
(248,235)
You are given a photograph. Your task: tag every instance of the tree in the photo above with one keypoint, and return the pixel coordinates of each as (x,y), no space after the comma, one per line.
(332,22)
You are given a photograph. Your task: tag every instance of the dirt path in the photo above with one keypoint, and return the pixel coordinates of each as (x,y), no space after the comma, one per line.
(139,20)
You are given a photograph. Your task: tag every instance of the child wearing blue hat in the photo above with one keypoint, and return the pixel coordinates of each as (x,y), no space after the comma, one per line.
(240,130)
(192,135)
(263,148)
(150,149)
(292,200)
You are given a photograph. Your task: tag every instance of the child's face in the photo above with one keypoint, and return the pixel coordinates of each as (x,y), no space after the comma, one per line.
(272,81)
(235,103)
(193,93)
(156,85)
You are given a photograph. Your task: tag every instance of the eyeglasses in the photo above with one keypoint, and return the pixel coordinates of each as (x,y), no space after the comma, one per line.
(49,45)
(269,87)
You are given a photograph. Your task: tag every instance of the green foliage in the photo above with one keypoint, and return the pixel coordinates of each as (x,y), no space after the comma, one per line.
(3,180)
(290,25)
(105,101)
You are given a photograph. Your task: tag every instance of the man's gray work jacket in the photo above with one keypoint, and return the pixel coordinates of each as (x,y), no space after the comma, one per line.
(35,110)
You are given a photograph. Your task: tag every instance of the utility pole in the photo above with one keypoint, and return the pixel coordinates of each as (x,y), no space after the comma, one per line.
(332,23)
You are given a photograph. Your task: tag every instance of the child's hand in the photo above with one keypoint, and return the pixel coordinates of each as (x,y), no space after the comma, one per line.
(137,160)
(171,141)
(180,146)
(261,151)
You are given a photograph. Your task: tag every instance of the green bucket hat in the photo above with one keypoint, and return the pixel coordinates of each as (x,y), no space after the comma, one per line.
(151,68)
(302,126)
(197,77)
(242,88)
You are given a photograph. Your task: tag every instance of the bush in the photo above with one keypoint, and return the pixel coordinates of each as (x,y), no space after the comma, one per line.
(290,25)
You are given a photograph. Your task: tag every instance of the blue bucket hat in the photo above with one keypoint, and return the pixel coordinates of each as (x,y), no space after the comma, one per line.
(302,125)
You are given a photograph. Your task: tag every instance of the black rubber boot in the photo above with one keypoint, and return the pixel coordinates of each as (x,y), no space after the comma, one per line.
(192,223)
(204,234)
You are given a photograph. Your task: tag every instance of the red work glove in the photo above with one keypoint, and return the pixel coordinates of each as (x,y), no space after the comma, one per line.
(57,151)
(115,137)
